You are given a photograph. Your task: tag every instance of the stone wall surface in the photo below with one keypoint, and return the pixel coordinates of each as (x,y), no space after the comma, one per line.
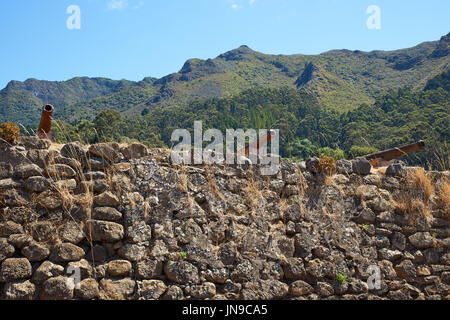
(112,221)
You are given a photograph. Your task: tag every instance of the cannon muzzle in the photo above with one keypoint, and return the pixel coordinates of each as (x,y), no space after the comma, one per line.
(45,126)
(390,154)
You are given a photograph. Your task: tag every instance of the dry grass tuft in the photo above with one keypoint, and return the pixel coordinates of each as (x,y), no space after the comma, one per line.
(254,193)
(211,179)
(420,181)
(444,199)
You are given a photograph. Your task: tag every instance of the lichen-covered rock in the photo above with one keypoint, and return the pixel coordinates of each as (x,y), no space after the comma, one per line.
(181,272)
(132,252)
(148,269)
(151,289)
(206,290)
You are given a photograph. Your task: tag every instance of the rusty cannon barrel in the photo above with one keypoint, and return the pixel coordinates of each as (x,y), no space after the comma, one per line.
(379,158)
(45,126)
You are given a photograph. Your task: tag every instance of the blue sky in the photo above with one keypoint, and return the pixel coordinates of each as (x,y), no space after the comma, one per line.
(133,39)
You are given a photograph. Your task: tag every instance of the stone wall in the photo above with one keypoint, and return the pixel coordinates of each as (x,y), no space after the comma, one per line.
(134,226)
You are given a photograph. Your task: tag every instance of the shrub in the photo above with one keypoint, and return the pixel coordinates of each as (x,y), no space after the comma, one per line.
(341,278)
(9,132)
(327,165)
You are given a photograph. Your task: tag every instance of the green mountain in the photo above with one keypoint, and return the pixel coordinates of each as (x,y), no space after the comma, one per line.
(306,129)
(21,101)
(340,80)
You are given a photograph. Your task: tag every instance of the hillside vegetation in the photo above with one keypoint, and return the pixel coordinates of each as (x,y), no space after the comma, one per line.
(399,117)
(340,79)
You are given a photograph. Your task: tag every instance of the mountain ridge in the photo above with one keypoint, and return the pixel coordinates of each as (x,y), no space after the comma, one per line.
(343,79)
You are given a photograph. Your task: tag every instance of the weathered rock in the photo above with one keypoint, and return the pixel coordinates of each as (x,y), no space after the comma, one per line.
(37,184)
(324,289)
(206,290)
(151,289)
(49,200)
(66,185)
(6,170)
(148,269)
(74,150)
(294,269)
(300,288)
(6,250)
(106,199)
(33,142)
(361,166)
(396,170)
(104,151)
(421,240)
(58,288)
(104,231)
(134,151)
(406,270)
(27,170)
(66,252)
(181,272)
(83,266)
(344,167)
(14,269)
(107,214)
(60,171)
(312,165)
(15,198)
(6,184)
(87,289)
(132,252)
(116,289)
(264,289)
(46,271)
(23,290)
(118,268)
(8,228)
(173,293)
(71,231)
(43,231)
(36,252)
